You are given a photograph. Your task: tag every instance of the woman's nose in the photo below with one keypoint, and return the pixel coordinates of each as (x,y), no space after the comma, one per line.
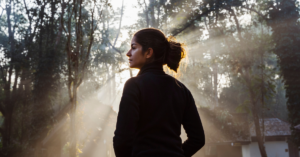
(128,54)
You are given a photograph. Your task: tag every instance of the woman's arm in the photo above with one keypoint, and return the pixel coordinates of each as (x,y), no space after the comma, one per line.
(193,128)
(127,120)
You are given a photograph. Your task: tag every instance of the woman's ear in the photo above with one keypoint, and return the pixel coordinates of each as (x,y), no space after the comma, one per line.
(149,53)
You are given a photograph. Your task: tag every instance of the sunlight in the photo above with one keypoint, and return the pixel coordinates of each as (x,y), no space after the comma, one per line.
(62,75)
(121,78)
(130,16)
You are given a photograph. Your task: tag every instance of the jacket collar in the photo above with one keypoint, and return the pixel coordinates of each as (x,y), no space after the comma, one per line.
(154,67)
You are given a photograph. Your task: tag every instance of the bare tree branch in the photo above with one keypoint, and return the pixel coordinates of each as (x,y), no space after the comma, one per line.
(258,13)
(15,81)
(114,47)
(237,24)
(188,24)
(61,27)
(119,23)
(1,13)
(158,14)
(27,12)
(91,40)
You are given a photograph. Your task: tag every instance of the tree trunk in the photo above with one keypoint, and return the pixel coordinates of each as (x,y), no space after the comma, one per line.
(7,129)
(113,81)
(259,137)
(77,61)
(285,33)
(255,115)
(73,149)
(151,9)
(214,68)
(8,104)
(158,14)
(146,14)
(215,75)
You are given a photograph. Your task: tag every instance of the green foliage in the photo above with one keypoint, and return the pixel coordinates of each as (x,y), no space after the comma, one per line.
(286,32)
(244,53)
(221,46)
(33,72)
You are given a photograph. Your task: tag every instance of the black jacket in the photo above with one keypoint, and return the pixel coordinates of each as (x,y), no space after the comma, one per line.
(153,107)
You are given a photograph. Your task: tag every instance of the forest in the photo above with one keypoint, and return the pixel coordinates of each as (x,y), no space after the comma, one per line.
(63,66)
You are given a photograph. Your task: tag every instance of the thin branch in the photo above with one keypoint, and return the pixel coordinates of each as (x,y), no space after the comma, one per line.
(27,11)
(205,23)
(114,47)
(158,14)
(120,23)
(1,13)
(29,27)
(14,13)
(61,28)
(188,24)
(258,13)
(99,19)
(15,81)
(68,49)
(89,47)
(236,22)
(69,18)
(3,77)
(217,17)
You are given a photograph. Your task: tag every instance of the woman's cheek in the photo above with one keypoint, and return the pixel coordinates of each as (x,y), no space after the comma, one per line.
(134,58)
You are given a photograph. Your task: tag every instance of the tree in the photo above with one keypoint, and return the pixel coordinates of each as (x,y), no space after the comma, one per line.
(78,51)
(284,17)
(241,57)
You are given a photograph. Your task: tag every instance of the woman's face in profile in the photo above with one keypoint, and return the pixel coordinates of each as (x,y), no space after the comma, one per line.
(137,58)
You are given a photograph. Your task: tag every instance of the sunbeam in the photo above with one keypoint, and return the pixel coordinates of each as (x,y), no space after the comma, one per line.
(64,65)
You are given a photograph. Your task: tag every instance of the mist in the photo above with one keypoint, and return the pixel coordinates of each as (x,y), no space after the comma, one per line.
(63,67)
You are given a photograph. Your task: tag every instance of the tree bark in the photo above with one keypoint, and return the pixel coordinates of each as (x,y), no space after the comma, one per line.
(146,13)
(151,9)
(119,24)
(7,103)
(77,62)
(255,114)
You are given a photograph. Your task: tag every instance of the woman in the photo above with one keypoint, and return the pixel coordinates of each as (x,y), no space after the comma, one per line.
(154,104)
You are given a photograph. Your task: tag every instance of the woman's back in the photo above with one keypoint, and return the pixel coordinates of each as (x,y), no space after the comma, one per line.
(154,105)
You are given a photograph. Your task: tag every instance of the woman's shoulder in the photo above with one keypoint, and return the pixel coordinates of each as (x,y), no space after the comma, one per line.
(131,81)
(178,83)
(140,79)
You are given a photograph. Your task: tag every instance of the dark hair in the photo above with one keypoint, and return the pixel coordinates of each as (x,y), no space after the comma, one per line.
(166,50)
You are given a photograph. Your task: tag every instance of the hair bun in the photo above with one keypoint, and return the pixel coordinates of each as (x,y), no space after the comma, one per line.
(174,54)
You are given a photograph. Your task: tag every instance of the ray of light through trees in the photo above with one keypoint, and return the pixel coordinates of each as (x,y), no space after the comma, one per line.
(63,66)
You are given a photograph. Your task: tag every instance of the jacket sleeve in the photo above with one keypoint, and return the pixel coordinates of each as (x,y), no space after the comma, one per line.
(193,128)
(127,120)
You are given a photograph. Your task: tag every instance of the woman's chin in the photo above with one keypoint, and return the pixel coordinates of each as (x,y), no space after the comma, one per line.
(132,66)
